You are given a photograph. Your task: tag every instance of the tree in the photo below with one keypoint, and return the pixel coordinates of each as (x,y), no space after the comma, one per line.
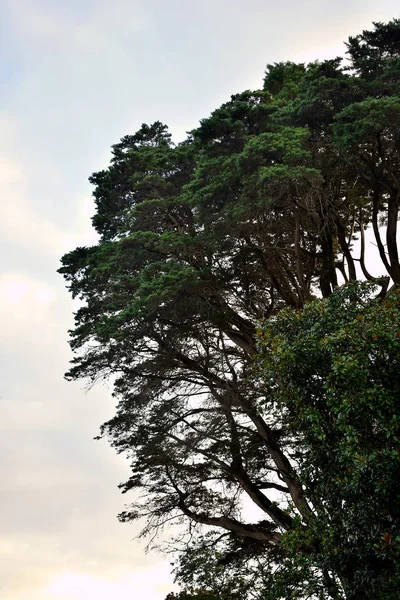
(256,211)
(332,370)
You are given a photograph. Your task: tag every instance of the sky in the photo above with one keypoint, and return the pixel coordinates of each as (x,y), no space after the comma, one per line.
(76,76)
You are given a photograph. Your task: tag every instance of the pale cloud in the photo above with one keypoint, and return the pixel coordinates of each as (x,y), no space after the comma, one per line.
(44,295)
(24,227)
(13,289)
(56,515)
(10,173)
(21,224)
(97,29)
(56,580)
(22,310)
(151,584)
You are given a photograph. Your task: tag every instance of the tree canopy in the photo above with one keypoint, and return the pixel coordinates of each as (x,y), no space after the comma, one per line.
(243,372)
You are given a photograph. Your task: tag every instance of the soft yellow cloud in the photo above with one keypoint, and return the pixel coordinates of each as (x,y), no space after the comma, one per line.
(10,173)
(60,579)
(149,584)
(22,226)
(13,289)
(17,288)
(23,299)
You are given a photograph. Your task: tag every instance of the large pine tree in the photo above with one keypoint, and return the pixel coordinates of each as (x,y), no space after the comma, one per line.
(256,212)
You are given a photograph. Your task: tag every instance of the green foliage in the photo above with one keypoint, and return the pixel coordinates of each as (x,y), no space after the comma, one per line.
(282,79)
(333,370)
(373,51)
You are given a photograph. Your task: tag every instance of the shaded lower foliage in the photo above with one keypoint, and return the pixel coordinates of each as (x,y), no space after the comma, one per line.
(333,370)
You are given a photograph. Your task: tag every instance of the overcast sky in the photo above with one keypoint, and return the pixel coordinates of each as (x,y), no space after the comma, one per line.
(75,76)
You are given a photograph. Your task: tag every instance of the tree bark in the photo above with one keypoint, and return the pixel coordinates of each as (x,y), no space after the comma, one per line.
(391,235)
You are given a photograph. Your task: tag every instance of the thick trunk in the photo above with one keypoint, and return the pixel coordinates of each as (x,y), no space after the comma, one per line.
(254,532)
(345,249)
(281,461)
(304,286)
(366,274)
(391,235)
(375,226)
(328,279)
